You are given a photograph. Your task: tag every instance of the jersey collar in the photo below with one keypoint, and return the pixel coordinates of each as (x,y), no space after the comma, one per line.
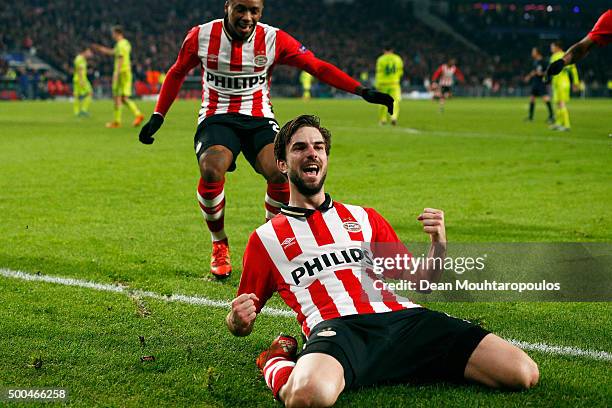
(307,212)
(229,37)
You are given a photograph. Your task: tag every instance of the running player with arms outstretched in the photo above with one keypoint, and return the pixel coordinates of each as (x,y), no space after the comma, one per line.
(237,55)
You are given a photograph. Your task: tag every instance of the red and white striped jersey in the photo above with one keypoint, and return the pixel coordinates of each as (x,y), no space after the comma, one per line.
(447,74)
(236,74)
(601,34)
(314,263)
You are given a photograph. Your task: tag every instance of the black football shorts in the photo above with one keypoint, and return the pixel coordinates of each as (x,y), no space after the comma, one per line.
(238,133)
(414,345)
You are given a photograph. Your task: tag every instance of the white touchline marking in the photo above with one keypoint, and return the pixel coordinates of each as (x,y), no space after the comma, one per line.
(562,350)
(192,300)
(223,304)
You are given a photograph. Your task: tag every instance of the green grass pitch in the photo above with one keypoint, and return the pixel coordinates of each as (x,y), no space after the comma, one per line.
(81,201)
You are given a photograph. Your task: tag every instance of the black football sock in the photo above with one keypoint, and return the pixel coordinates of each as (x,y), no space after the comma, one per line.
(550,111)
(531,109)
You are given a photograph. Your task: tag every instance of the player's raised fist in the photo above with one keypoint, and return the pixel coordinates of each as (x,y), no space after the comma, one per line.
(379,98)
(148,130)
(243,310)
(433,223)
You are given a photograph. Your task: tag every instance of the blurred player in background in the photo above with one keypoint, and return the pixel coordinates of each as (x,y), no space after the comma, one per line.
(601,34)
(443,80)
(122,77)
(306,82)
(389,73)
(538,86)
(81,87)
(561,86)
(237,55)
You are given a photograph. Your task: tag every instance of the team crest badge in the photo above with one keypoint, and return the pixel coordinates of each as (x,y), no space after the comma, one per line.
(326,333)
(260,60)
(352,226)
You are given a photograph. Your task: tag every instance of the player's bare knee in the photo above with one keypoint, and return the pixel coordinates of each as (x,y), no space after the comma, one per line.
(213,165)
(528,373)
(310,392)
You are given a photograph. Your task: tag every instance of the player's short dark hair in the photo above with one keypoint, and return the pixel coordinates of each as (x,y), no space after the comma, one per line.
(283,138)
(558,43)
(117,29)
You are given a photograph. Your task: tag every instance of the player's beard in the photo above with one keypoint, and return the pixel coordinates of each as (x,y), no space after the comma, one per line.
(303,188)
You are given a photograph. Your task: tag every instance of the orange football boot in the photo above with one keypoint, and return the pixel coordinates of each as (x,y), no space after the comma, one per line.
(283,346)
(113,125)
(138,120)
(220,265)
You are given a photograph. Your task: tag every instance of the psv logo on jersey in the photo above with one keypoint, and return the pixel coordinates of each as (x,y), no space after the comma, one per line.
(260,60)
(352,226)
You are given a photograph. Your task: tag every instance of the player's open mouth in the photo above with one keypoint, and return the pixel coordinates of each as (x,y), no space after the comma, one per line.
(311,170)
(244,26)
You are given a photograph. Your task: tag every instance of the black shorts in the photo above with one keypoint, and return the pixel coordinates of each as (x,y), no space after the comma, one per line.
(446,90)
(539,90)
(413,345)
(236,132)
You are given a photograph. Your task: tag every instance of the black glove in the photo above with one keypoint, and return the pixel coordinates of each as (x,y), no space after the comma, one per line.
(372,96)
(554,68)
(148,130)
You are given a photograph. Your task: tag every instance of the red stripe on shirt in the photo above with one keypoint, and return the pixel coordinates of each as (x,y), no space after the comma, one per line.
(346,217)
(388,297)
(286,237)
(257,104)
(289,297)
(319,229)
(236,61)
(212,54)
(213,102)
(234,105)
(322,300)
(355,290)
(260,45)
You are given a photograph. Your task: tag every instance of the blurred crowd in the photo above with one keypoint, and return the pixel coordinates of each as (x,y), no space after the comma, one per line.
(506,32)
(348,34)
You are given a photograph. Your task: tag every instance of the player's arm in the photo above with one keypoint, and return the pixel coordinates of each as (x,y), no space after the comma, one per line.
(459,75)
(81,75)
(187,60)
(290,52)
(574,78)
(400,68)
(436,74)
(103,50)
(256,287)
(574,54)
(433,224)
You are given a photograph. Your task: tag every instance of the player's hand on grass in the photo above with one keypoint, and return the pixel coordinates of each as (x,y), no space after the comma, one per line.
(433,224)
(554,68)
(373,96)
(243,313)
(148,130)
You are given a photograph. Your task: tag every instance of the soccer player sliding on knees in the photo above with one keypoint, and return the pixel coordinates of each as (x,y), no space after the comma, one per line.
(237,55)
(356,335)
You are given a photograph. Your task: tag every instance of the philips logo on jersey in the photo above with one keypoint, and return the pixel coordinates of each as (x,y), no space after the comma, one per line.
(353,256)
(242,82)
